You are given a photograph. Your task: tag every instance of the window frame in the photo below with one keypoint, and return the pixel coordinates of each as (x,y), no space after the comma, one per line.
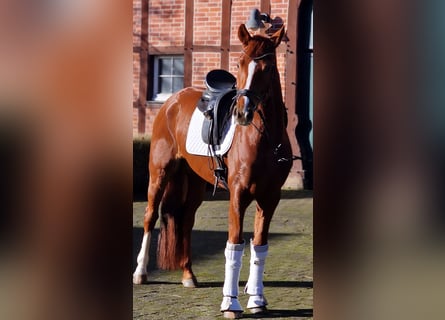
(155,94)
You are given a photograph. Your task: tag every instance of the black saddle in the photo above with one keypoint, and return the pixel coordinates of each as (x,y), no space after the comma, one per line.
(215,104)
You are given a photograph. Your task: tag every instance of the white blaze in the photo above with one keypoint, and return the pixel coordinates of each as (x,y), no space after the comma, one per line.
(250,71)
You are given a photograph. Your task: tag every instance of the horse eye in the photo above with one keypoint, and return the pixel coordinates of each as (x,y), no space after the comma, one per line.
(237,65)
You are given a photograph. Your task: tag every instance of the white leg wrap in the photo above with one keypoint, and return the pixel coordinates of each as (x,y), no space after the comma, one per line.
(234,255)
(143,256)
(258,254)
(256,302)
(230,304)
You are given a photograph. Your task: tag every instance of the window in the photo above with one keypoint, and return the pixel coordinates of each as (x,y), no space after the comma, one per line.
(168,76)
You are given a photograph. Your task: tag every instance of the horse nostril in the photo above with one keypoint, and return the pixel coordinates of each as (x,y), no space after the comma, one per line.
(239,116)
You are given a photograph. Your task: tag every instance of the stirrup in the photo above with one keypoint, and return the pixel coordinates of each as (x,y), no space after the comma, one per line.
(219,176)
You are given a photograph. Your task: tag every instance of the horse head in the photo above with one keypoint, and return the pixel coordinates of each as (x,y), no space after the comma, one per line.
(257,68)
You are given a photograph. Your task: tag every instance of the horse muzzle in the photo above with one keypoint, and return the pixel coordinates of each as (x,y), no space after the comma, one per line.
(245,108)
(244,114)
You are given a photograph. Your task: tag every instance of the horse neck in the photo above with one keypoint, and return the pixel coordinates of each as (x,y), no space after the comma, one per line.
(274,110)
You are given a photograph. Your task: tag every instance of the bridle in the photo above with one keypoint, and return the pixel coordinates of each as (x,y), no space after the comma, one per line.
(259,57)
(257,99)
(252,95)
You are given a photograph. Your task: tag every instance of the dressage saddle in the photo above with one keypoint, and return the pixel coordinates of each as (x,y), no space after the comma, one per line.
(215,104)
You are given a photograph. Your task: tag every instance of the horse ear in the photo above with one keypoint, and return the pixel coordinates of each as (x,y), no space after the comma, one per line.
(243,34)
(277,36)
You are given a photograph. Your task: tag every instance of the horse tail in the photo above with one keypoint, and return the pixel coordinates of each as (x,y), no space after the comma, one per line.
(170,243)
(170,251)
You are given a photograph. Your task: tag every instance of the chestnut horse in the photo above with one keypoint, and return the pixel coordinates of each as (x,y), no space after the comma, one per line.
(258,163)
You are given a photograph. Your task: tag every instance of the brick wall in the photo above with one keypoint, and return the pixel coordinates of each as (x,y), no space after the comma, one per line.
(137,19)
(203,62)
(166,23)
(166,28)
(240,14)
(207,23)
(166,34)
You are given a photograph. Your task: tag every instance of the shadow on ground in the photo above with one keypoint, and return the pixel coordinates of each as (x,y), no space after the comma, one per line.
(302,313)
(276,284)
(219,284)
(205,244)
(224,195)
(285,194)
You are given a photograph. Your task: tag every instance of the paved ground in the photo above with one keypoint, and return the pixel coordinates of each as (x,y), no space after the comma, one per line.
(288,273)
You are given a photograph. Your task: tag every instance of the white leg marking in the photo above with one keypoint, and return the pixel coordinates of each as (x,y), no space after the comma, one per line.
(143,256)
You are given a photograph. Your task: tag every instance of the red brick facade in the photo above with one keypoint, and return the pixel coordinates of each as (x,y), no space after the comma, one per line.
(205,32)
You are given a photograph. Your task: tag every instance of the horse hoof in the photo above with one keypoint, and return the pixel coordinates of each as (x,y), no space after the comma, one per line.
(233,314)
(257,304)
(189,283)
(139,278)
(258,310)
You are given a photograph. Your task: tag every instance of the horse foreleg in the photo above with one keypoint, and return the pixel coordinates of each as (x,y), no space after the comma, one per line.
(254,287)
(230,305)
(258,252)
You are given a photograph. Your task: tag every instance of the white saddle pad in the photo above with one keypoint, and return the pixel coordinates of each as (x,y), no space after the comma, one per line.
(194,143)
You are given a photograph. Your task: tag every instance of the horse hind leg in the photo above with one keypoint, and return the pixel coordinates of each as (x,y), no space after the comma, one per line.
(182,197)
(194,196)
(156,187)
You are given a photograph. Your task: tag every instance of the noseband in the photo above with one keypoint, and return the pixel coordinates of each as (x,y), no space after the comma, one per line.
(256,99)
